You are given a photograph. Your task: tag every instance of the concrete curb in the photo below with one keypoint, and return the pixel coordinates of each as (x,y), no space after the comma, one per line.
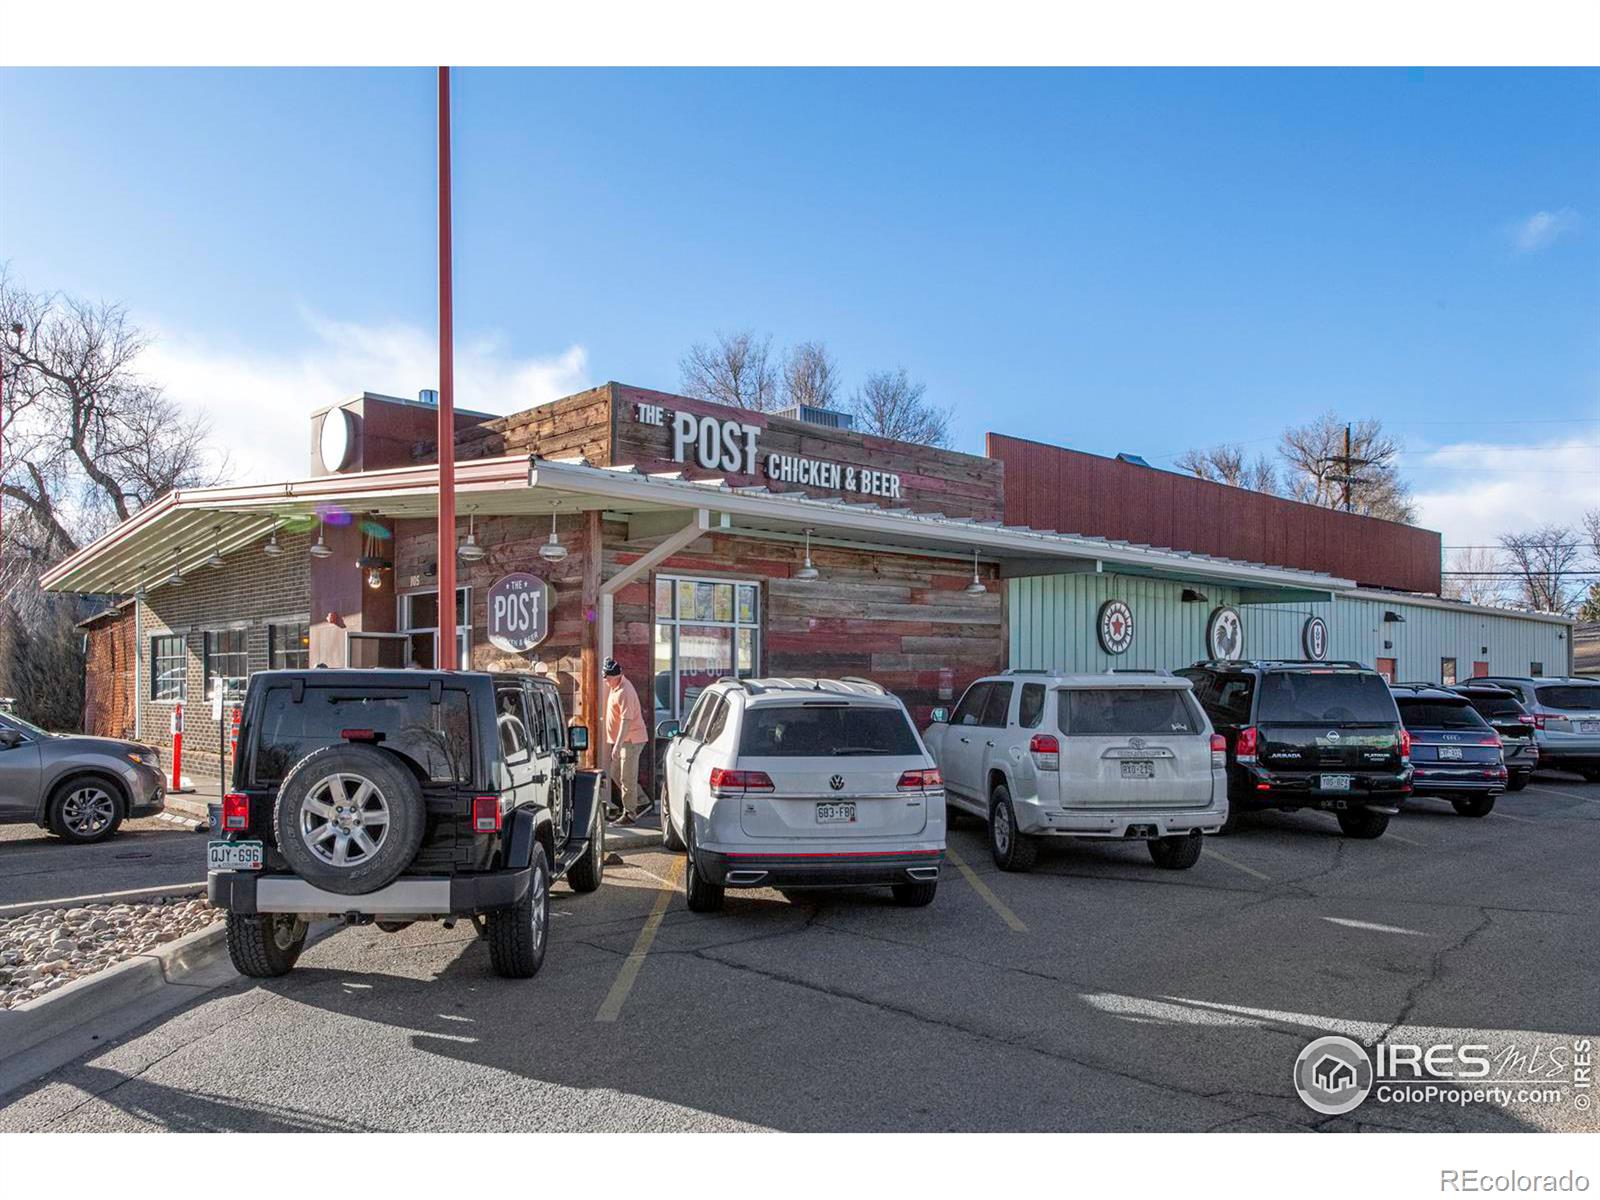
(83,1000)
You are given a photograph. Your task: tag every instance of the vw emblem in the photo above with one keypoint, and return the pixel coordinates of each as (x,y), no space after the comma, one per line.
(837,783)
(1333,735)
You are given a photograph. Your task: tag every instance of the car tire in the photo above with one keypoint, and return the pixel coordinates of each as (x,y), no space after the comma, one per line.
(1473,806)
(1518,781)
(85,809)
(702,895)
(915,895)
(1363,823)
(1012,851)
(348,790)
(1176,853)
(519,934)
(586,874)
(670,837)
(265,945)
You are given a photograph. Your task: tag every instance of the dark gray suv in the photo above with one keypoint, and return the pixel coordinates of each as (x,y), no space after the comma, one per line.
(79,788)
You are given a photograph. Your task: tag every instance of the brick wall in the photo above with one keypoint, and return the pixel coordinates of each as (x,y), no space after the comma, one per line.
(108,676)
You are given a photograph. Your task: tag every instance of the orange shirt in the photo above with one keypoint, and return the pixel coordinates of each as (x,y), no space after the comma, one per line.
(623,715)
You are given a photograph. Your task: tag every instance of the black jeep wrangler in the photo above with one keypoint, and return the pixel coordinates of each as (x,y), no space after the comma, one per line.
(390,797)
(1308,735)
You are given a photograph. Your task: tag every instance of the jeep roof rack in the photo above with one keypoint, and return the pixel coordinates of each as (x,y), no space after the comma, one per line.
(1343,663)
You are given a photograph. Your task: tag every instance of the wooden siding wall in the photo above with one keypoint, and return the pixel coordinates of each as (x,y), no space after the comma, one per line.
(1049,487)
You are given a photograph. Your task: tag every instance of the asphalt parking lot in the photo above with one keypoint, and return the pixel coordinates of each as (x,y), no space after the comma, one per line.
(147,854)
(1097,993)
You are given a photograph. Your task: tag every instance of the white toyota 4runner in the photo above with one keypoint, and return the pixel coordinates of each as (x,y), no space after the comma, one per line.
(1126,755)
(793,783)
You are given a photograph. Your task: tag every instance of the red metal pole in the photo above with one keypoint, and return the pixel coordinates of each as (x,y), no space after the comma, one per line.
(447,393)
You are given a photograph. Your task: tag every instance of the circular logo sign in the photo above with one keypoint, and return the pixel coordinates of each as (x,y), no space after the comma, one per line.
(519,612)
(1225,633)
(1116,627)
(336,440)
(1314,638)
(1333,1075)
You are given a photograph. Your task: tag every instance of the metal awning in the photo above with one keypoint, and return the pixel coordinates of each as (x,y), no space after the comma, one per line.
(182,527)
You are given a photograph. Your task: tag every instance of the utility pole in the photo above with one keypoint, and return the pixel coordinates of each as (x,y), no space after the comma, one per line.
(447,391)
(1348,462)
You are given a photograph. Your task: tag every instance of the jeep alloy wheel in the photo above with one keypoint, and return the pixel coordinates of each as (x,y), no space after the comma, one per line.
(344,820)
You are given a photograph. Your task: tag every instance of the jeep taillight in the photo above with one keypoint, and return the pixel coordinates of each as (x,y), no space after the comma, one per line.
(1219,750)
(236,811)
(1046,751)
(1244,749)
(1405,744)
(486,814)
(724,779)
(923,779)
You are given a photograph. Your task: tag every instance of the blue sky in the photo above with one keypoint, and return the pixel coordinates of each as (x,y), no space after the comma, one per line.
(1106,259)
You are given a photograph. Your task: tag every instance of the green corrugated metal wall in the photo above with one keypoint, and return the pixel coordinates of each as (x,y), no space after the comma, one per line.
(1052,625)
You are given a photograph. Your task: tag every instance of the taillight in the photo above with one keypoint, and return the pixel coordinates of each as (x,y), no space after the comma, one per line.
(1046,751)
(1405,744)
(923,779)
(360,735)
(724,779)
(1245,748)
(1219,750)
(236,811)
(486,814)
(1538,719)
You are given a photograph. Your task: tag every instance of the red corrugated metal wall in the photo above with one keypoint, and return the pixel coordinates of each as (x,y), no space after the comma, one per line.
(1049,487)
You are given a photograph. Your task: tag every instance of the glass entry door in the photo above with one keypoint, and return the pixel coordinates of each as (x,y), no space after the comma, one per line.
(705,629)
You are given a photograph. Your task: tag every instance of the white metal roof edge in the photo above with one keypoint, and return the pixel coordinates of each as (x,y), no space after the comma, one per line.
(1458,606)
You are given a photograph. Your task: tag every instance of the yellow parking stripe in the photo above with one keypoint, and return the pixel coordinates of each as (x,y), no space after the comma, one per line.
(982,888)
(611,1008)
(1212,852)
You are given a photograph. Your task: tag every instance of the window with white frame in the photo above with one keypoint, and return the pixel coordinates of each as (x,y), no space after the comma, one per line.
(169,667)
(704,629)
(228,660)
(289,645)
(419,623)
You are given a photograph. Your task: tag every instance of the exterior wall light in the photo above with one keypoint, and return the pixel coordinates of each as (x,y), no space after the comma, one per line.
(177,576)
(320,548)
(1191,596)
(808,572)
(1393,618)
(975,588)
(469,551)
(216,548)
(553,551)
(374,578)
(272,549)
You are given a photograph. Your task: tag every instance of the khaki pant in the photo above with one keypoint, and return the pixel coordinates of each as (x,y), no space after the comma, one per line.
(624,770)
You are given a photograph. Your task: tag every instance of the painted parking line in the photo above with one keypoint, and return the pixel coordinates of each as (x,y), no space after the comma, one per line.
(611,1007)
(1513,817)
(1539,787)
(1212,852)
(982,888)
(1395,837)
(100,897)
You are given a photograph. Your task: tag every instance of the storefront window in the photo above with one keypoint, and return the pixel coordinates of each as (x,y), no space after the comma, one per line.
(289,646)
(419,622)
(227,661)
(169,667)
(705,629)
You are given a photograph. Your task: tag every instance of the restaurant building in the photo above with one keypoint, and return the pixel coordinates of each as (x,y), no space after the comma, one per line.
(692,541)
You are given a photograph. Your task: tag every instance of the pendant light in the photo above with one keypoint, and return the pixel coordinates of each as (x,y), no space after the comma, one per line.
(177,576)
(216,547)
(975,588)
(469,551)
(139,592)
(272,549)
(320,548)
(807,572)
(374,578)
(553,551)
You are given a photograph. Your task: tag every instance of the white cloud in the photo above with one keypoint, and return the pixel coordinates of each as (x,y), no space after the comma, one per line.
(260,404)
(1472,492)
(1543,228)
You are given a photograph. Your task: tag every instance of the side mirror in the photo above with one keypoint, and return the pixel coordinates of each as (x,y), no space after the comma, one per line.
(578,737)
(940,716)
(10,739)
(668,730)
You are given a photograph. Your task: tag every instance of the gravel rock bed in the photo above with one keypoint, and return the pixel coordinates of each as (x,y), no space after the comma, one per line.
(50,947)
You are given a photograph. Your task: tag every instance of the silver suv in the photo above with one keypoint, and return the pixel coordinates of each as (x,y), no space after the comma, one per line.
(1127,755)
(1565,713)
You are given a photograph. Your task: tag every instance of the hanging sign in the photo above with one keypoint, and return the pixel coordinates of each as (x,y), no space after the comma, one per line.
(1225,633)
(1115,625)
(519,612)
(1314,638)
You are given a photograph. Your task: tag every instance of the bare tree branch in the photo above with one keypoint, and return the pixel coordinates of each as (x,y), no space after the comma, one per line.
(810,376)
(1544,560)
(1482,581)
(1313,454)
(1228,464)
(890,405)
(735,370)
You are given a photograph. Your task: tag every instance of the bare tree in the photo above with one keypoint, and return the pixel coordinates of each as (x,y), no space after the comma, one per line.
(1544,561)
(734,369)
(1363,478)
(889,404)
(1591,531)
(1474,575)
(810,376)
(1228,464)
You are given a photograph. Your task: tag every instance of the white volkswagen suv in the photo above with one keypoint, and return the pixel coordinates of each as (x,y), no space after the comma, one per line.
(1126,755)
(793,783)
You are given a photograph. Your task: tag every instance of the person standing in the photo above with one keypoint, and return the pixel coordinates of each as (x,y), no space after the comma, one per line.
(627,737)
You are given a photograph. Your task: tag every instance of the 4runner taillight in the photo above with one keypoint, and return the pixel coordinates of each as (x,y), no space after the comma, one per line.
(1046,751)
(1405,744)
(724,779)
(486,814)
(1244,750)
(923,779)
(236,811)
(1219,750)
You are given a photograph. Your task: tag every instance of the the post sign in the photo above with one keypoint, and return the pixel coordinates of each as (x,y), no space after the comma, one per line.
(519,612)
(1314,638)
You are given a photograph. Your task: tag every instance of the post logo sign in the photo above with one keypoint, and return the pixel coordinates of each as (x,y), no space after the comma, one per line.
(519,612)
(1314,638)
(1115,627)
(719,444)
(1225,633)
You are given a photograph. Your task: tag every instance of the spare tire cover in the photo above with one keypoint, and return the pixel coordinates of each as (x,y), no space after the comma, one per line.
(349,819)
